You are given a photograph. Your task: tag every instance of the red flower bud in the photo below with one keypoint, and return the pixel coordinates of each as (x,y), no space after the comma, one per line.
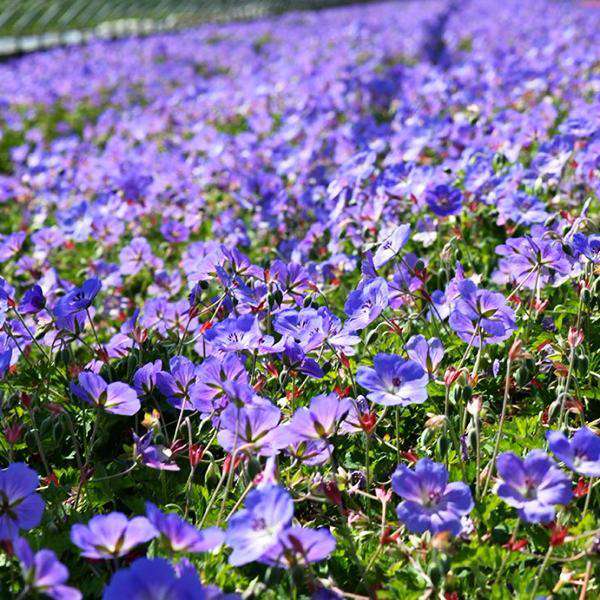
(196,452)
(332,492)
(575,337)
(12,433)
(367,422)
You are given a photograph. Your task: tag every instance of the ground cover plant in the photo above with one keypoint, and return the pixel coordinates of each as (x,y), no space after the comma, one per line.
(305,307)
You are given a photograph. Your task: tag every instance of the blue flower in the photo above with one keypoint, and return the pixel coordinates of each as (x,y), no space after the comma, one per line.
(44,573)
(20,506)
(533,485)
(444,200)
(78,299)
(33,301)
(180,535)
(154,579)
(430,502)
(254,530)
(581,453)
(394,380)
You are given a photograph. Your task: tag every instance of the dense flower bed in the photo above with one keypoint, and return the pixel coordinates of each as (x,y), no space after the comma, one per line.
(305,307)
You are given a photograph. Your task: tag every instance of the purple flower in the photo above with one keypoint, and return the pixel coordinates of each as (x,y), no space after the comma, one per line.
(5,360)
(20,506)
(394,380)
(78,299)
(365,304)
(11,244)
(588,246)
(117,398)
(250,424)
(208,393)
(176,384)
(180,535)
(426,353)
(33,301)
(444,200)
(255,529)
(322,419)
(174,231)
(137,255)
(581,453)
(144,379)
(154,579)
(527,261)
(152,455)
(391,245)
(239,333)
(533,485)
(430,502)
(481,317)
(300,546)
(44,573)
(112,535)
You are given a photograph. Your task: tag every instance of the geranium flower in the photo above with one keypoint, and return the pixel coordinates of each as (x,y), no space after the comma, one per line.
(581,453)
(321,419)
(20,506)
(112,535)
(239,333)
(299,546)
(529,260)
(444,200)
(255,529)
(117,398)
(44,573)
(154,579)
(390,246)
(33,301)
(533,485)
(144,379)
(176,384)
(394,380)
(427,353)
(430,502)
(180,535)
(78,299)
(365,304)
(249,424)
(481,317)
(152,455)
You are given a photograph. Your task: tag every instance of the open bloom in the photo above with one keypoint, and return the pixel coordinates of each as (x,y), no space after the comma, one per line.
(112,535)
(391,245)
(33,301)
(249,424)
(255,529)
(78,299)
(444,200)
(427,353)
(300,546)
(154,579)
(394,380)
(365,304)
(152,455)
(117,398)
(180,535)
(481,317)
(20,506)
(581,453)
(533,485)
(44,573)
(430,502)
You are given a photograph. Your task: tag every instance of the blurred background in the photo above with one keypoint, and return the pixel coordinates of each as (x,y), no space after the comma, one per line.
(29,25)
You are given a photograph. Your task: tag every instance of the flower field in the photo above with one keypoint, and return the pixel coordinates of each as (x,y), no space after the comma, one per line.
(305,307)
